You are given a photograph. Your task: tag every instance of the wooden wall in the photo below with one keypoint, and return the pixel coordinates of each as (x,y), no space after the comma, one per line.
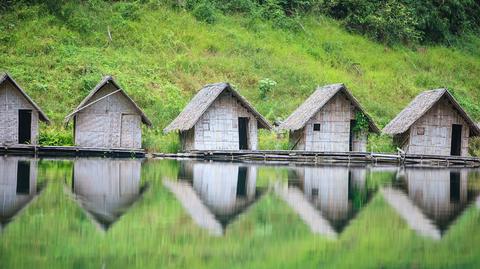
(11,100)
(110,123)
(436,126)
(334,134)
(11,201)
(217,128)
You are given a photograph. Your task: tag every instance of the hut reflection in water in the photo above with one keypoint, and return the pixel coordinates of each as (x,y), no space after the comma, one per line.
(337,194)
(439,195)
(17,186)
(106,188)
(215,193)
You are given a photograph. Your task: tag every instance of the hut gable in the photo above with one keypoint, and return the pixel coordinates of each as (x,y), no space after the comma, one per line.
(420,106)
(108,87)
(22,99)
(187,119)
(108,118)
(315,102)
(325,121)
(433,124)
(19,114)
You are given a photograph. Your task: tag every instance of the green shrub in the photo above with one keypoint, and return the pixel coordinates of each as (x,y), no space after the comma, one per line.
(205,12)
(272,141)
(407,21)
(474,146)
(386,21)
(380,143)
(55,137)
(128,11)
(361,123)
(155,141)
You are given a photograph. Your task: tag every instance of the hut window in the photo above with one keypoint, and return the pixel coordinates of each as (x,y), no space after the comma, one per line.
(206,125)
(316,126)
(420,130)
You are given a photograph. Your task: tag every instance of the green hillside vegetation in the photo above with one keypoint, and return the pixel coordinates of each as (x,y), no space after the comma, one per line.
(162,54)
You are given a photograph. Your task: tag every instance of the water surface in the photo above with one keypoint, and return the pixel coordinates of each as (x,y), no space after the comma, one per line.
(94,212)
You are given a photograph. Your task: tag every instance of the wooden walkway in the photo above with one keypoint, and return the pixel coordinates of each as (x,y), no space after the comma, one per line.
(69,151)
(313,158)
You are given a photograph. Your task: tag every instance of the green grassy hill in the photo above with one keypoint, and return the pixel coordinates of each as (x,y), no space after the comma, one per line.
(162,56)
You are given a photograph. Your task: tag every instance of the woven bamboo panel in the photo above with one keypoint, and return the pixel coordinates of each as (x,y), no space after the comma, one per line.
(432,133)
(11,101)
(217,128)
(112,122)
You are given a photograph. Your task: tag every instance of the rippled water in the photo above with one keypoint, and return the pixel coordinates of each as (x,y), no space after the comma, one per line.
(150,205)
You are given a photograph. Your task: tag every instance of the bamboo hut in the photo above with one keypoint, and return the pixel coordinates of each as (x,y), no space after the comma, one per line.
(434,123)
(19,114)
(218,118)
(326,122)
(108,118)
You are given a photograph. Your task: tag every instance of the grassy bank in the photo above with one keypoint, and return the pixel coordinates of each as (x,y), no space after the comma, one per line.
(162,56)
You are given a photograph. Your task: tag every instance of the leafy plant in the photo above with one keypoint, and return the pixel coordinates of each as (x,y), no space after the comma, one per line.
(205,12)
(361,123)
(55,137)
(265,86)
(380,143)
(474,146)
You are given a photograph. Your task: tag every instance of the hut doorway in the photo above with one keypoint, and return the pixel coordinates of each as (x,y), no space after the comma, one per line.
(24,126)
(243,132)
(456,145)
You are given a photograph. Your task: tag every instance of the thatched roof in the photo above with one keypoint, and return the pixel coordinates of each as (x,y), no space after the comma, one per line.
(43,117)
(202,101)
(106,80)
(317,101)
(419,106)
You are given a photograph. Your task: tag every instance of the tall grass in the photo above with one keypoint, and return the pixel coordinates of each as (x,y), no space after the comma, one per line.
(162,56)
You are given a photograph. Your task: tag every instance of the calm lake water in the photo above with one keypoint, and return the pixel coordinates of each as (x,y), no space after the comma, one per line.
(117,212)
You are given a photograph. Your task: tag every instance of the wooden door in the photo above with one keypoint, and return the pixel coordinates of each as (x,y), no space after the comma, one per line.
(128,131)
